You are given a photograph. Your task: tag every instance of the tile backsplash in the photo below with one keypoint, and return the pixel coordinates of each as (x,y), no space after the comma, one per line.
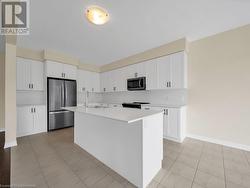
(170,97)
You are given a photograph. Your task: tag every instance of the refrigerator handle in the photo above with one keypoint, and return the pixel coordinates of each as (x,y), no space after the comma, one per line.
(63,95)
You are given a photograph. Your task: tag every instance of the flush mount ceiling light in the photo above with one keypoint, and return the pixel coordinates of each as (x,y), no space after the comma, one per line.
(97,15)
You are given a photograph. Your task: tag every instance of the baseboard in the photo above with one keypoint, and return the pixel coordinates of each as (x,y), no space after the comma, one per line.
(10,144)
(221,142)
(2,129)
(172,139)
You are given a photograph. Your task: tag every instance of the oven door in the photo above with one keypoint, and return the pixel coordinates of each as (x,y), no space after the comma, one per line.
(134,84)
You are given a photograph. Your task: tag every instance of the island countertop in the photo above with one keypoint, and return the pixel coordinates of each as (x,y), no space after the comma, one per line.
(128,115)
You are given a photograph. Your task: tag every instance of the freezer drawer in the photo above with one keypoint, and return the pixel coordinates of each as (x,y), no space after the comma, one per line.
(60,119)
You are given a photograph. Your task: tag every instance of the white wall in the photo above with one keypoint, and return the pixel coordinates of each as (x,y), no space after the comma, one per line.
(219,87)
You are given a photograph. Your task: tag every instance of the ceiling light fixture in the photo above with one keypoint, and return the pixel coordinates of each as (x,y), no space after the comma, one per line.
(97,15)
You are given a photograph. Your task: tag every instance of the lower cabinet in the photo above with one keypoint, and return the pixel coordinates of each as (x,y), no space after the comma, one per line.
(31,120)
(174,122)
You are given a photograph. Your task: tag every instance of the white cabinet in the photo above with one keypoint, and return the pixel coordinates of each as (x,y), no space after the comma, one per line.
(31,120)
(106,81)
(70,72)
(151,75)
(88,81)
(172,71)
(29,74)
(60,70)
(174,122)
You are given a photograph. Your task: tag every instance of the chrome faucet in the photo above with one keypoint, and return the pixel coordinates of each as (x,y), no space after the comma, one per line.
(86,98)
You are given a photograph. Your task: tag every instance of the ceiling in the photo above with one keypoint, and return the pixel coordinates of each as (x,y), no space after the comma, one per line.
(135,25)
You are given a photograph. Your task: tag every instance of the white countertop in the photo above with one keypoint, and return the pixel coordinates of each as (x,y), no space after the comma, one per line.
(128,115)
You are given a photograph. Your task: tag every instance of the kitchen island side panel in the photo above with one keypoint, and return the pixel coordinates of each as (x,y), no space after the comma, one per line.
(115,143)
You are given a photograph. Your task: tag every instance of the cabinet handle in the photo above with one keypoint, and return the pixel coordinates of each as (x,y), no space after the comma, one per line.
(92,89)
(104,89)
(165,111)
(62,74)
(29,86)
(169,84)
(32,86)
(31,110)
(83,89)
(34,110)
(114,88)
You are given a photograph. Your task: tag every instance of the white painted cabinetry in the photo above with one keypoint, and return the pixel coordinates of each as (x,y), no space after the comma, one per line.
(88,81)
(31,120)
(60,70)
(167,72)
(174,120)
(30,74)
(172,71)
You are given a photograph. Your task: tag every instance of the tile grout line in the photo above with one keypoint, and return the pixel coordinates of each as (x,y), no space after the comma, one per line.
(224,167)
(171,166)
(246,157)
(69,166)
(197,165)
(79,176)
(40,169)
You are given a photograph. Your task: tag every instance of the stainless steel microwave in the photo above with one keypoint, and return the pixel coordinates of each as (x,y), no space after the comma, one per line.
(135,84)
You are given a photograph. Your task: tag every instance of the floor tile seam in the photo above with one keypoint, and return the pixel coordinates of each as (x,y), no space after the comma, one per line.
(36,157)
(64,161)
(197,166)
(159,183)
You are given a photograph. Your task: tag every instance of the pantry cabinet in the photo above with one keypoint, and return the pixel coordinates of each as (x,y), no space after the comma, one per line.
(60,70)
(29,75)
(31,120)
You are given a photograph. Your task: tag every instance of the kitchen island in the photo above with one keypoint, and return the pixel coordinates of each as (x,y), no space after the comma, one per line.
(129,141)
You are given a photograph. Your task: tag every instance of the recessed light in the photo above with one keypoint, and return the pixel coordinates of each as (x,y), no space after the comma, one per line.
(97,15)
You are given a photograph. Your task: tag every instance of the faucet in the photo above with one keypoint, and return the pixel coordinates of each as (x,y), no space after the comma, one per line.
(86,98)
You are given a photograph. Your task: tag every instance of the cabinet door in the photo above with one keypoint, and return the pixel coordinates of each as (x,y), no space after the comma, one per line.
(24,121)
(39,115)
(151,74)
(37,75)
(23,74)
(70,72)
(164,72)
(106,83)
(82,80)
(173,123)
(96,82)
(93,84)
(178,69)
(54,69)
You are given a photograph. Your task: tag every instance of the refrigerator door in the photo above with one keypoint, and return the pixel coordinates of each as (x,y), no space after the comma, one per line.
(56,94)
(70,93)
(60,119)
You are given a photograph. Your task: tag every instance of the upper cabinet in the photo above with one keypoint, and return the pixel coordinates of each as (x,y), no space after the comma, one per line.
(30,75)
(167,72)
(172,71)
(60,70)
(88,81)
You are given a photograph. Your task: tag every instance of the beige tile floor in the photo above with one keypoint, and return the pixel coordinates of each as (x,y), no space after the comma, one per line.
(52,160)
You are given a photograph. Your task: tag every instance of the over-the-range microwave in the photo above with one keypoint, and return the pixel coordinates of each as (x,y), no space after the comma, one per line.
(135,84)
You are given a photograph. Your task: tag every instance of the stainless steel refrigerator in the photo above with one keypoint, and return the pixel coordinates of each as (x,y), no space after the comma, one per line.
(61,93)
